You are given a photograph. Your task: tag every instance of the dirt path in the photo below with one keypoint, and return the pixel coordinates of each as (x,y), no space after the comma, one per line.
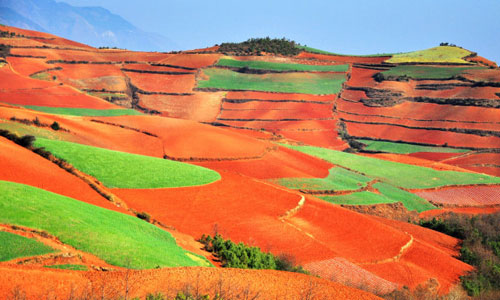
(395,258)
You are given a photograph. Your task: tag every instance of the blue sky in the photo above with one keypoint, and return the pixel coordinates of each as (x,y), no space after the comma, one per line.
(351,27)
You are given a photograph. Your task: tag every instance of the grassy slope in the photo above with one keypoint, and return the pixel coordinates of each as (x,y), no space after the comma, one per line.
(263,65)
(125,170)
(45,132)
(119,239)
(358,198)
(426,72)
(402,148)
(397,174)
(441,54)
(338,179)
(314,50)
(84,111)
(306,83)
(15,246)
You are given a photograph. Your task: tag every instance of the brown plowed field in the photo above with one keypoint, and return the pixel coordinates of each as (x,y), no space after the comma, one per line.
(353,95)
(163,83)
(202,107)
(435,156)
(473,159)
(425,111)
(27,66)
(185,139)
(280,96)
(168,281)
(148,67)
(495,171)
(423,136)
(485,92)
(282,163)
(44,174)
(191,60)
(460,210)
(345,59)
(464,196)
(491,75)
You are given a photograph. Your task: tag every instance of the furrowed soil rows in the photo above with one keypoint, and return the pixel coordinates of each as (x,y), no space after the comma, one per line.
(464,196)
(163,83)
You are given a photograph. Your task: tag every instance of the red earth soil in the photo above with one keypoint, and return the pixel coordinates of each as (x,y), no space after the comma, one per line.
(84,131)
(202,107)
(163,83)
(425,111)
(361,77)
(485,92)
(435,156)
(16,42)
(421,123)
(56,96)
(26,66)
(460,210)
(280,96)
(281,163)
(191,60)
(464,196)
(44,174)
(492,75)
(353,95)
(478,158)
(86,70)
(148,67)
(345,59)
(286,106)
(208,49)
(185,139)
(344,272)
(322,138)
(422,136)
(495,171)
(406,159)
(276,126)
(271,111)
(482,60)
(264,283)
(13,81)
(45,38)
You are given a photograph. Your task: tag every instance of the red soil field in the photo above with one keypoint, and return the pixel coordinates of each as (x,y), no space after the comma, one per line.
(425,111)
(464,196)
(26,66)
(407,159)
(362,77)
(435,156)
(422,136)
(95,134)
(459,210)
(45,38)
(168,281)
(163,83)
(353,95)
(281,163)
(280,96)
(345,59)
(492,75)
(304,111)
(186,139)
(12,81)
(276,126)
(482,60)
(56,96)
(495,171)
(208,49)
(202,107)
(147,67)
(344,272)
(191,60)
(422,123)
(460,92)
(285,106)
(20,42)
(44,174)
(478,158)
(323,138)
(86,70)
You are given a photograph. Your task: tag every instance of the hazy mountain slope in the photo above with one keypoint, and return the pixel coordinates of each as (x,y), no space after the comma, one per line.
(94,26)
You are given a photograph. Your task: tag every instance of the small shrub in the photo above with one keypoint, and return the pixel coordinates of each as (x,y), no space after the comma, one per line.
(26,141)
(144,216)
(55,126)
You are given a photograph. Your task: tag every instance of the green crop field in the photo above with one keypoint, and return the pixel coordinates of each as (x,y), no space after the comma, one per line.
(87,112)
(124,170)
(69,267)
(402,148)
(425,72)
(358,198)
(15,246)
(264,65)
(22,129)
(409,200)
(306,83)
(441,54)
(338,179)
(119,239)
(397,174)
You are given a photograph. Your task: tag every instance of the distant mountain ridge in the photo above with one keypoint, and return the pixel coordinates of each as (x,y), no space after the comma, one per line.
(94,26)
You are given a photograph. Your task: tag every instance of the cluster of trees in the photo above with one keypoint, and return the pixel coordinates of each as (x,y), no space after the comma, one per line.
(256,46)
(480,248)
(241,256)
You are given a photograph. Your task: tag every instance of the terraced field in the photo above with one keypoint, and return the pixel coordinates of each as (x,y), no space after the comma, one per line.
(426,72)
(125,170)
(263,65)
(441,54)
(93,229)
(403,148)
(84,111)
(307,83)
